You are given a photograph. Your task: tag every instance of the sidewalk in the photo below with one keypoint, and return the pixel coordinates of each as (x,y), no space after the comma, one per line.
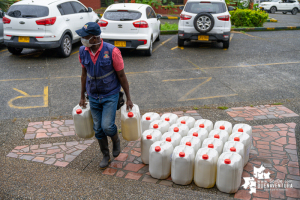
(49,161)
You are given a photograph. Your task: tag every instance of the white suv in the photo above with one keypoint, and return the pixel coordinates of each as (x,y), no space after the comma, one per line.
(130,25)
(205,20)
(284,6)
(45,24)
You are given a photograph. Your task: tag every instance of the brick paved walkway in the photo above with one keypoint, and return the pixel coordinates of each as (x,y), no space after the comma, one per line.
(260,112)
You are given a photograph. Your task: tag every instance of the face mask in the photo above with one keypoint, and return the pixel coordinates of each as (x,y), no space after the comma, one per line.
(86,42)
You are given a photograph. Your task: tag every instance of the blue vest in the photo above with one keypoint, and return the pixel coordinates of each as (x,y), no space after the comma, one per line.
(101,80)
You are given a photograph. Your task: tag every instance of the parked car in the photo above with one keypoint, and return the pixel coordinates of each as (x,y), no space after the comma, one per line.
(130,25)
(1,26)
(46,24)
(205,20)
(281,5)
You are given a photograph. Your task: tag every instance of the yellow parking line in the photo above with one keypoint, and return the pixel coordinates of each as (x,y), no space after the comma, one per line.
(183,79)
(3,50)
(231,37)
(212,97)
(23,79)
(164,42)
(177,47)
(74,52)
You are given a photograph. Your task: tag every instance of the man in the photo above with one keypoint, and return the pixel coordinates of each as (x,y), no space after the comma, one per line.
(102,77)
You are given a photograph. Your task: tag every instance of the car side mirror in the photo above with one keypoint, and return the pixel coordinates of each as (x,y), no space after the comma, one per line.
(1,14)
(181,7)
(230,8)
(158,16)
(90,9)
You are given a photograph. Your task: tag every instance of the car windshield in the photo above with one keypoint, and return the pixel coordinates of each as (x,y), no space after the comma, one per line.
(210,7)
(122,15)
(27,11)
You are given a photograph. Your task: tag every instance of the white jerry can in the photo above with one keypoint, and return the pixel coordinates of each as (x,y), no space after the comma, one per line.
(201,133)
(245,139)
(83,121)
(183,159)
(229,172)
(147,118)
(148,138)
(170,118)
(131,123)
(189,121)
(219,134)
(224,125)
(191,141)
(238,147)
(213,143)
(172,137)
(160,125)
(182,129)
(204,123)
(160,155)
(243,128)
(205,172)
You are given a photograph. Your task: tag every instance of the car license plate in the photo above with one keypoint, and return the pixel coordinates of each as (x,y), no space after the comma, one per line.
(203,37)
(120,43)
(24,39)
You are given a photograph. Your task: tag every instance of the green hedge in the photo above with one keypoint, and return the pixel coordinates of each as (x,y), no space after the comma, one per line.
(248,18)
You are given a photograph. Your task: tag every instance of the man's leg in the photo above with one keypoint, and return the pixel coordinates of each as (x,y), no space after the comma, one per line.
(108,121)
(97,112)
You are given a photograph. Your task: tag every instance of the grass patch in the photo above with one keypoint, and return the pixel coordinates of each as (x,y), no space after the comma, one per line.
(251,106)
(169,27)
(120,131)
(206,107)
(24,130)
(277,103)
(15,119)
(222,107)
(195,108)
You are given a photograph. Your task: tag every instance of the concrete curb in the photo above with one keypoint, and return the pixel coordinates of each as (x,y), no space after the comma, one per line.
(246,29)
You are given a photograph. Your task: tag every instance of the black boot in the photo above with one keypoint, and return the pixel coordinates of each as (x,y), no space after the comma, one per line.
(116,144)
(103,143)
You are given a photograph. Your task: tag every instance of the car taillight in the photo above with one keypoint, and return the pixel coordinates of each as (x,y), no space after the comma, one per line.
(102,23)
(140,24)
(185,17)
(6,20)
(224,18)
(46,22)
(145,41)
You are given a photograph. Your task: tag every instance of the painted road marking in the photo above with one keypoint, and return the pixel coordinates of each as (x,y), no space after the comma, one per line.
(3,50)
(177,47)
(25,95)
(211,97)
(74,53)
(184,97)
(164,42)
(183,79)
(231,37)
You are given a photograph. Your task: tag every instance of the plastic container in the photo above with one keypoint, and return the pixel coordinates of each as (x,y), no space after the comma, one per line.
(83,121)
(245,139)
(160,125)
(189,121)
(191,141)
(219,134)
(205,172)
(182,129)
(224,125)
(243,128)
(160,153)
(148,138)
(183,159)
(238,147)
(131,123)
(204,123)
(170,118)
(147,118)
(214,144)
(201,133)
(172,137)
(229,172)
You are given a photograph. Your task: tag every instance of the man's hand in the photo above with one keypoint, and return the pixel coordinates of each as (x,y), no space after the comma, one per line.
(129,105)
(82,103)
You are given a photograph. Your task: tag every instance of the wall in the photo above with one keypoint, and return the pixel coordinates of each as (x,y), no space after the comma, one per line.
(95,4)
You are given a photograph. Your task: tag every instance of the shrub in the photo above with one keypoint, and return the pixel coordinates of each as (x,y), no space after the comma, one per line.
(167,27)
(248,18)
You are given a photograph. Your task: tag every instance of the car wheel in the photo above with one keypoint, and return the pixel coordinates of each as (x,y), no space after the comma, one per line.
(294,11)
(180,42)
(204,22)
(273,10)
(15,51)
(284,12)
(65,47)
(225,44)
(148,52)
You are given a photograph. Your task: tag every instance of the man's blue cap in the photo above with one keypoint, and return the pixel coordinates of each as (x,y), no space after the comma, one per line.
(90,28)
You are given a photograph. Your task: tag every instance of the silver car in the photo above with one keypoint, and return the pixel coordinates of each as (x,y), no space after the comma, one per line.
(1,27)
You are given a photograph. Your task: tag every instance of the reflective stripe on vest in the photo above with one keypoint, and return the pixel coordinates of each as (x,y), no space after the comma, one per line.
(101,77)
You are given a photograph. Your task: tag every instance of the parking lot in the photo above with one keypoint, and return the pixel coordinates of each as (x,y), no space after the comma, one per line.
(257,66)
